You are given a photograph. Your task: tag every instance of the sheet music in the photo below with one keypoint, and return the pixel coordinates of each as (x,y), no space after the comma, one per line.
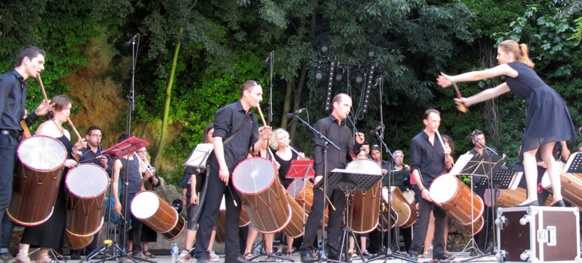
(199,155)
(461,163)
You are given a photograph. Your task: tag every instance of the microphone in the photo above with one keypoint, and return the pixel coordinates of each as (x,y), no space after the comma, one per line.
(295,113)
(379,130)
(127,43)
(470,138)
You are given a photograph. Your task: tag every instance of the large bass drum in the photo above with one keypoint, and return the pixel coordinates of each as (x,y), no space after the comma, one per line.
(156,213)
(37,180)
(263,195)
(87,184)
(364,213)
(462,205)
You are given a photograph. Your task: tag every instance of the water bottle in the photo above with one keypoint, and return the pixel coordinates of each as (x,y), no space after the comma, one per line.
(175,252)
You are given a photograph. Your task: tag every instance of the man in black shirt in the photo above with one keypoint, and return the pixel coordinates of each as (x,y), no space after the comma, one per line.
(29,63)
(236,133)
(334,128)
(429,158)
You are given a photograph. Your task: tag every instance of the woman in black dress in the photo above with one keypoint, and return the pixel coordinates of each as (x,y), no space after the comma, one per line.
(50,233)
(547,118)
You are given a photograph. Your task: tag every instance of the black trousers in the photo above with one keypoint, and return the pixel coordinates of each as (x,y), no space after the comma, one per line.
(209,215)
(335,220)
(421,225)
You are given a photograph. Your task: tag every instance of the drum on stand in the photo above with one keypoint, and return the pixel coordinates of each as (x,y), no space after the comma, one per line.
(383,224)
(405,211)
(156,213)
(364,213)
(37,180)
(87,184)
(263,195)
(302,192)
(220,229)
(571,187)
(462,205)
(76,242)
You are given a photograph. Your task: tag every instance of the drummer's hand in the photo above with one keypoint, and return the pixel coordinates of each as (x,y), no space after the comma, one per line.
(117,207)
(317,179)
(104,163)
(43,108)
(194,199)
(384,171)
(223,175)
(80,144)
(417,206)
(70,163)
(359,137)
(266,133)
(426,195)
(407,167)
(301,156)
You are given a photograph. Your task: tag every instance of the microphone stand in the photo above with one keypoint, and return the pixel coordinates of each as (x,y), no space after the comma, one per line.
(326,143)
(493,207)
(389,253)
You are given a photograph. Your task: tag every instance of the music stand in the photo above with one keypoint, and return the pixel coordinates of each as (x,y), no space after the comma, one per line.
(348,180)
(574,164)
(506,179)
(300,169)
(483,166)
(121,149)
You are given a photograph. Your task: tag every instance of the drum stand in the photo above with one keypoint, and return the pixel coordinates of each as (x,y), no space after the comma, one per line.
(478,167)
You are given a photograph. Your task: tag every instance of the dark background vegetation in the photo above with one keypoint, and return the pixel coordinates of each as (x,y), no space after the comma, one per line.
(193,57)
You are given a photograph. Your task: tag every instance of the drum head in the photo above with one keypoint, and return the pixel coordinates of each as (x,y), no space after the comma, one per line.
(87,180)
(145,204)
(253,176)
(42,153)
(295,188)
(443,188)
(366,166)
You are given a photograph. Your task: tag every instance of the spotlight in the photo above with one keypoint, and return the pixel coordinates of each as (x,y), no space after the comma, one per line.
(318,73)
(368,87)
(358,76)
(323,49)
(371,53)
(339,75)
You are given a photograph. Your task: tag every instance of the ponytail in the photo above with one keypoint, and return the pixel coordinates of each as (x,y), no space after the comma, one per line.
(524,56)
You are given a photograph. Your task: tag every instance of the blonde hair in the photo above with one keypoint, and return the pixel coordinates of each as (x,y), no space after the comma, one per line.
(274,142)
(519,51)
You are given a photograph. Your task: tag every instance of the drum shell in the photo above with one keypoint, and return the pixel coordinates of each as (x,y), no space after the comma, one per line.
(87,184)
(462,205)
(298,216)
(572,188)
(406,212)
(163,219)
(37,180)
(365,211)
(302,191)
(77,242)
(220,229)
(383,221)
(176,230)
(262,194)
(466,229)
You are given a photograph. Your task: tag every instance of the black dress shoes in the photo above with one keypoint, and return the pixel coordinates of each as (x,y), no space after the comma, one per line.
(558,204)
(532,203)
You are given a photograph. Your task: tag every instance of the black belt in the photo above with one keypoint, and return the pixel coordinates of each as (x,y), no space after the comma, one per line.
(13,134)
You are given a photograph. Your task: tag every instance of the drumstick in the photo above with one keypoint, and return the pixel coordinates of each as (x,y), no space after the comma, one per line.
(42,86)
(74,129)
(261,113)
(460,106)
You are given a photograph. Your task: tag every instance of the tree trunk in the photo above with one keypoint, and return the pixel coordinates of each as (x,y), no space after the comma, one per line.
(165,120)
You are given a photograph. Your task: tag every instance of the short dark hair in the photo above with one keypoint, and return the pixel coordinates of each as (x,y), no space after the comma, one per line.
(429,111)
(206,130)
(29,52)
(476,132)
(122,137)
(248,84)
(92,128)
